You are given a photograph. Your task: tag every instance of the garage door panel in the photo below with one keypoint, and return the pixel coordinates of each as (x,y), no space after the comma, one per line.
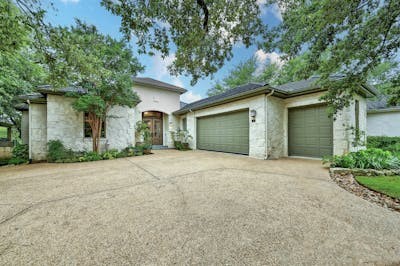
(225,132)
(310,132)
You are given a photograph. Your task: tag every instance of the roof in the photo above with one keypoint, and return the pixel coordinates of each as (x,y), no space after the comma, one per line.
(5,122)
(157,83)
(381,104)
(22,107)
(48,89)
(305,85)
(182,104)
(230,95)
(287,90)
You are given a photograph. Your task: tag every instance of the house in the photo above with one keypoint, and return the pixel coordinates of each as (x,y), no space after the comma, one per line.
(254,119)
(50,116)
(271,122)
(383,119)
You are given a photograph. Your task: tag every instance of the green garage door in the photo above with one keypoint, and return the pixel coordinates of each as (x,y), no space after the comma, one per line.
(227,132)
(310,132)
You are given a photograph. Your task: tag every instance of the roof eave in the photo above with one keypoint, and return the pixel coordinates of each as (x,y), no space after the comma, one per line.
(240,96)
(384,110)
(180,91)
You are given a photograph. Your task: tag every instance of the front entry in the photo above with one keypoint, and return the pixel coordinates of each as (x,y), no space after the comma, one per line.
(154,120)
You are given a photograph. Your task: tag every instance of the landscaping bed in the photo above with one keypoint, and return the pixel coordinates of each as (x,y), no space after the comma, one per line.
(347,179)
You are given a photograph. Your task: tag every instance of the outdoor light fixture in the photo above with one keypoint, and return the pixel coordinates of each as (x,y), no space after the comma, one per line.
(253,114)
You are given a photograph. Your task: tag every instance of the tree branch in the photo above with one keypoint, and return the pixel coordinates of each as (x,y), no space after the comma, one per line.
(203,5)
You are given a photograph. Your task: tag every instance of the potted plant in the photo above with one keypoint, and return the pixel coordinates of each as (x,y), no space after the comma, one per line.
(176,139)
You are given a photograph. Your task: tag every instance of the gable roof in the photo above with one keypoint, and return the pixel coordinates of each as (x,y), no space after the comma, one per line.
(287,90)
(237,93)
(158,84)
(381,104)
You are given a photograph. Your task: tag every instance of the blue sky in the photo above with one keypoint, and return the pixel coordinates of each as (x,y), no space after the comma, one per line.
(91,12)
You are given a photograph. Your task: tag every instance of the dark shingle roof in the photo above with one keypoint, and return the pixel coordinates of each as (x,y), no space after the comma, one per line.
(182,104)
(157,83)
(48,89)
(22,107)
(380,103)
(232,94)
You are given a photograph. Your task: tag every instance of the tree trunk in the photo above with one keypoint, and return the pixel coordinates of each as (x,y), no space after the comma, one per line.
(95,125)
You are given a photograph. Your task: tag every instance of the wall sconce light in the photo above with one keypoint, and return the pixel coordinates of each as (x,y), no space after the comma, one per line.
(253,114)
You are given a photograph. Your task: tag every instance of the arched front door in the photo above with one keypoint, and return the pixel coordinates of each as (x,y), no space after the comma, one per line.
(154,120)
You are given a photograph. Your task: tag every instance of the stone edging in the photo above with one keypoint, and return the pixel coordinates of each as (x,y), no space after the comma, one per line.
(345,179)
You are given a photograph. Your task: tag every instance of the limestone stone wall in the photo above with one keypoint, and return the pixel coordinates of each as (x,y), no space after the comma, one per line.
(37,131)
(275,127)
(25,127)
(257,136)
(65,124)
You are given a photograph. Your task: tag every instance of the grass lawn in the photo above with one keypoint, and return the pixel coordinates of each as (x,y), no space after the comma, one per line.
(389,185)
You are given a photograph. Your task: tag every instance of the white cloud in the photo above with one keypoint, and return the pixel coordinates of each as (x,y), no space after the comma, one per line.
(70,1)
(262,5)
(177,82)
(160,65)
(190,97)
(264,58)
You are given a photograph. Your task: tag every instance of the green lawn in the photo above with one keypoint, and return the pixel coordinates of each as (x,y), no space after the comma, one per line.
(389,185)
(3,132)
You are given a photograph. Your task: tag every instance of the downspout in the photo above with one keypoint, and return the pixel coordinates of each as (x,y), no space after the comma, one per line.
(266,122)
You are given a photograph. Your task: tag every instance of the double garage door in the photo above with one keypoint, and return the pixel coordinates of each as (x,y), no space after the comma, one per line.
(228,132)
(310,132)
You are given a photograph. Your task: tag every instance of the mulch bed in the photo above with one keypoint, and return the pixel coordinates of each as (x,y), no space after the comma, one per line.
(349,183)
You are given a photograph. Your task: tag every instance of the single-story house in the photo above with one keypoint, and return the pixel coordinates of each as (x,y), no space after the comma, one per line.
(254,119)
(383,119)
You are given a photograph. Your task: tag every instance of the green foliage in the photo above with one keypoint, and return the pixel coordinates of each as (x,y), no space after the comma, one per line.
(181,139)
(57,152)
(20,154)
(365,159)
(389,185)
(110,154)
(391,144)
(348,37)
(143,133)
(203,32)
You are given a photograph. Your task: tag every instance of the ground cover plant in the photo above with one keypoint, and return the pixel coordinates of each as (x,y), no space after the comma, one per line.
(389,185)
(366,159)
(391,144)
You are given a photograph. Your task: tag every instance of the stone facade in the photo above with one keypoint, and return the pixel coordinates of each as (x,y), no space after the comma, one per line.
(269,133)
(257,134)
(37,131)
(25,127)
(65,124)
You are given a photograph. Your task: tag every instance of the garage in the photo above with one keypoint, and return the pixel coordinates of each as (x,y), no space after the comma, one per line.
(227,132)
(310,131)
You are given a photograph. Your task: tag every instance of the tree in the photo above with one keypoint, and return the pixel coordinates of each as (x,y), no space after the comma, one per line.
(203,31)
(347,37)
(103,66)
(19,70)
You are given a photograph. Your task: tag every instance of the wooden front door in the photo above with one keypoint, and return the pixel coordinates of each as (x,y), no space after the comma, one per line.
(155,123)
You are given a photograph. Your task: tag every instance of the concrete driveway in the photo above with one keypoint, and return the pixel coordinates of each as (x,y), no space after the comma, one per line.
(190,207)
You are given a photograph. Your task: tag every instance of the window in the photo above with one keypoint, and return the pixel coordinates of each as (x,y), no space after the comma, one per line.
(87,129)
(184,124)
(357,113)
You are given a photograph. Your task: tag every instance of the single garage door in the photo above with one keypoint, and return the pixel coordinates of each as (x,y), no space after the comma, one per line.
(228,132)
(310,132)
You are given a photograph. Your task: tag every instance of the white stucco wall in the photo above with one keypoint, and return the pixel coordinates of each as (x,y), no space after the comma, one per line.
(161,100)
(154,99)
(257,134)
(65,124)
(25,127)
(383,124)
(37,131)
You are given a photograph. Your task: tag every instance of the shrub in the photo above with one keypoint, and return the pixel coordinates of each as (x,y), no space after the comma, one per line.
(109,155)
(56,152)
(20,154)
(366,159)
(391,144)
